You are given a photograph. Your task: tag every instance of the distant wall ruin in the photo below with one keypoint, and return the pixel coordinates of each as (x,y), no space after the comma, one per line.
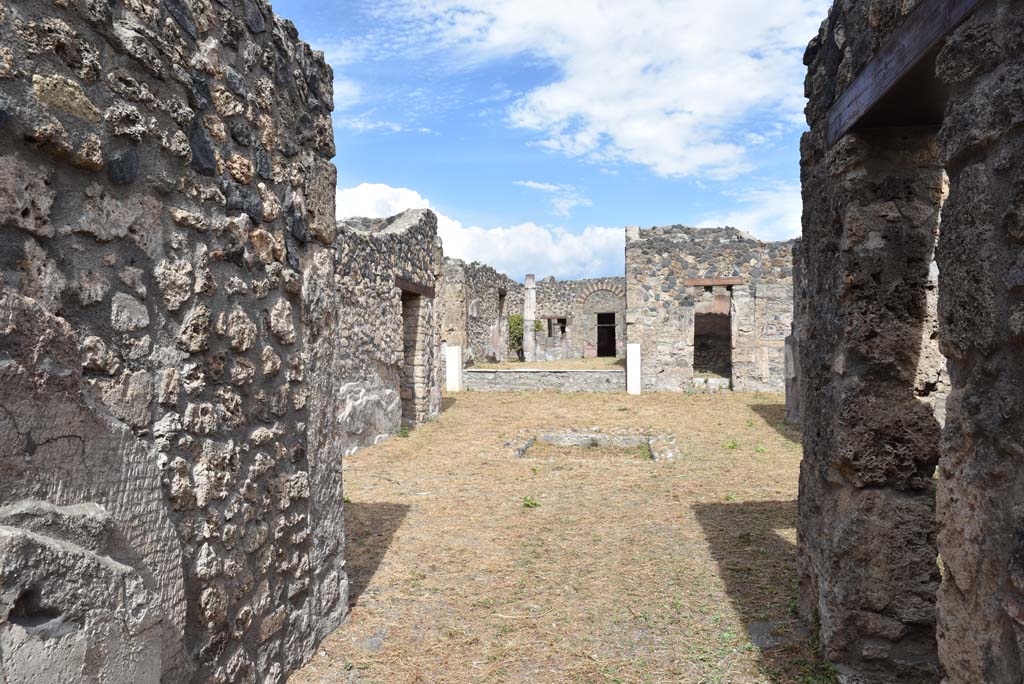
(476,303)
(568,312)
(188,342)
(674,274)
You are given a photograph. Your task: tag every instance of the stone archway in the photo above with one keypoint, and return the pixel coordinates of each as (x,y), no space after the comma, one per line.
(602,311)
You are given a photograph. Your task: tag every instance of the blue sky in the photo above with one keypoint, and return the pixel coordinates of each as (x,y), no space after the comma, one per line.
(537,130)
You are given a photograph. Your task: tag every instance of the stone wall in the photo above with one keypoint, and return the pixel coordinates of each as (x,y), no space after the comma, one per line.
(188,344)
(578,302)
(476,303)
(871,374)
(452,305)
(671,270)
(981,330)
(489,310)
(546,380)
(793,340)
(389,339)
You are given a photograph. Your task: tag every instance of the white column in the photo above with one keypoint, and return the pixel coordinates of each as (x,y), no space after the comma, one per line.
(634,379)
(453,368)
(529,316)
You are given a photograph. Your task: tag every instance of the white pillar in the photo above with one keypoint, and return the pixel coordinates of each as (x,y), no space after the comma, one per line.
(529,316)
(453,368)
(634,380)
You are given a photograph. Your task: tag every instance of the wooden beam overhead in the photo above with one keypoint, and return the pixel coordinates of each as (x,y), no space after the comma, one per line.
(712,282)
(414,288)
(914,42)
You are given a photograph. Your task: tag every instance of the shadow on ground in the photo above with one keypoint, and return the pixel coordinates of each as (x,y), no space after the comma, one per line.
(775,416)
(758,566)
(369,529)
(447,403)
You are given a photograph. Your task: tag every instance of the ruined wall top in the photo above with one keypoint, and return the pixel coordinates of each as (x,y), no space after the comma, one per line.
(396,225)
(693,253)
(562,298)
(482,273)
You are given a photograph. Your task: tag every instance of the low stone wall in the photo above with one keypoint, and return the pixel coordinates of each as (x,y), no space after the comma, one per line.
(546,380)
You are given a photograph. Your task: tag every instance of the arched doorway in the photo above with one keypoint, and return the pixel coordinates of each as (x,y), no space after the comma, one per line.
(604,317)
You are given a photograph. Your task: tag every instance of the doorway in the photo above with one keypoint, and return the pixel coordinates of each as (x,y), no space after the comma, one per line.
(606,345)
(413,382)
(712,337)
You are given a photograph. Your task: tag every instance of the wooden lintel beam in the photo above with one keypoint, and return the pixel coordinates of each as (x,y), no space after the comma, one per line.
(712,282)
(406,285)
(919,35)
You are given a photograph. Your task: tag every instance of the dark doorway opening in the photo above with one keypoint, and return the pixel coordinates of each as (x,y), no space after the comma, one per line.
(606,334)
(712,338)
(413,369)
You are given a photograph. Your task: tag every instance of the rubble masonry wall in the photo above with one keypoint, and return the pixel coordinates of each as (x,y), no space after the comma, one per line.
(187,340)
(579,302)
(475,313)
(660,304)
(872,380)
(981,330)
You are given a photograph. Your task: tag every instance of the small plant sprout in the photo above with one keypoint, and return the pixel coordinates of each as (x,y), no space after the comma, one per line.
(761,449)
(530,502)
(403,431)
(731,444)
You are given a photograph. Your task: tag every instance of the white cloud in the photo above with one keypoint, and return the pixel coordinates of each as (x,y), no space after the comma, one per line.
(542,250)
(772,212)
(563,206)
(674,85)
(515,250)
(361,124)
(376,200)
(543,187)
(566,197)
(347,93)
(365,124)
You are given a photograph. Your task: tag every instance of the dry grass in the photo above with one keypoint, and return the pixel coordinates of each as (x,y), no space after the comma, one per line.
(628,571)
(599,363)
